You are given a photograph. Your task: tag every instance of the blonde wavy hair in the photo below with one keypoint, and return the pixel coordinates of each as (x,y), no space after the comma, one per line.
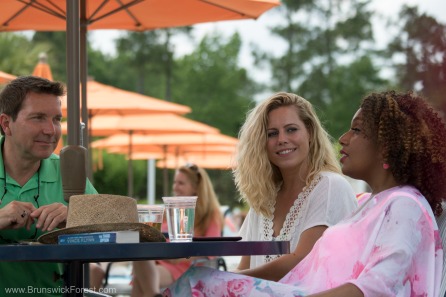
(208,207)
(256,178)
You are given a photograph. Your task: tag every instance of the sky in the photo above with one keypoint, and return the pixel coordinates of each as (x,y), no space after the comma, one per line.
(257,32)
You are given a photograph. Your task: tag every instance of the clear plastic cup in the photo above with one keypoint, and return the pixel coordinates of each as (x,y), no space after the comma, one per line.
(151,215)
(180,215)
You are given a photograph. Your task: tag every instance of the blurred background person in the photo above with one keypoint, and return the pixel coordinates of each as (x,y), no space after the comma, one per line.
(189,180)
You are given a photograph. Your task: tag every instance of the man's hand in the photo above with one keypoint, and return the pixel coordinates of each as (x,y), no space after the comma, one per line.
(50,216)
(16,215)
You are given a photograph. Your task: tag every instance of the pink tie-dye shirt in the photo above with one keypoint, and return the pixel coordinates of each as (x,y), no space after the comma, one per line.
(389,247)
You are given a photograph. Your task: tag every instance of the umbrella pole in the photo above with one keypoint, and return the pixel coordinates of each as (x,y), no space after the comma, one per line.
(83,79)
(73,276)
(165,173)
(73,72)
(130,168)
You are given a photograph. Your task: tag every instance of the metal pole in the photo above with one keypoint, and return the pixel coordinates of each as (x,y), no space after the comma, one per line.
(84,82)
(130,167)
(73,72)
(151,181)
(165,173)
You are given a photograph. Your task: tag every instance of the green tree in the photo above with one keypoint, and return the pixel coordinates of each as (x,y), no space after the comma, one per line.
(56,51)
(219,91)
(212,83)
(349,82)
(327,43)
(145,61)
(19,54)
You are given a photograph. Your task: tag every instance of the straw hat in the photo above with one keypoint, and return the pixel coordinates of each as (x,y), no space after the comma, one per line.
(102,213)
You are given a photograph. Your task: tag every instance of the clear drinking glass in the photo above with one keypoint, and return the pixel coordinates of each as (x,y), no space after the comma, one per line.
(151,215)
(180,214)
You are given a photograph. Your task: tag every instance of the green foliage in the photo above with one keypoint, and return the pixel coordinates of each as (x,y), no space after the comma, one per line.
(211,82)
(112,177)
(19,55)
(328,59)
(348,85)
(56,52)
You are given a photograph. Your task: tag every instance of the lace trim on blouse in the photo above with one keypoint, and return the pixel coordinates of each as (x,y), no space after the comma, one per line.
(292,219)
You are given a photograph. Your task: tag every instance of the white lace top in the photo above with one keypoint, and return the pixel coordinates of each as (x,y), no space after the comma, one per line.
(327,200)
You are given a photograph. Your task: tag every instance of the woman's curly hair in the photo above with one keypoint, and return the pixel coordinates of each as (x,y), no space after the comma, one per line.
(413,138)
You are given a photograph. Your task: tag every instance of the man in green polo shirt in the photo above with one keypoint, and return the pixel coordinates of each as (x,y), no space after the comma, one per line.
(31,194)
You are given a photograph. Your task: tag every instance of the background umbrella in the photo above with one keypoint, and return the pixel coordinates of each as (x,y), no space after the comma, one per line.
(108,100)
(106,125)
(210,161)
(42,68)
(172,147)
(103,125)
(6,77)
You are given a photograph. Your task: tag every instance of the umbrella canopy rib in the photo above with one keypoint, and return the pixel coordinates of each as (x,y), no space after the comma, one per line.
(138,15)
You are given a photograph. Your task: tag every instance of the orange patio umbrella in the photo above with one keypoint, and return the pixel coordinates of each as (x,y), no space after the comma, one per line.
(209,161)
(103,125)
(189,140)
(178,150)
(137,15)
(108,100)
(6,77)
(42,68)
(172,147)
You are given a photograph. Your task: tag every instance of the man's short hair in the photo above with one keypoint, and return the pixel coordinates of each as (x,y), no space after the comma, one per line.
(15,92)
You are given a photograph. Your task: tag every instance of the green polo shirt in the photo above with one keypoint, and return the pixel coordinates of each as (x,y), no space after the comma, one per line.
(32,278)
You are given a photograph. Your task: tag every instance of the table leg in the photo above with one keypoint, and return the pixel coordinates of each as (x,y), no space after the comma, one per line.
(74,280)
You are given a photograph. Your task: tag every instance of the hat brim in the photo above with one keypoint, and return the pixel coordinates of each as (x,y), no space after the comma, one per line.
(146,233)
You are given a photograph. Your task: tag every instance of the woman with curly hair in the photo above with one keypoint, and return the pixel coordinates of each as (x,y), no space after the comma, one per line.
(390,246)
(288,173)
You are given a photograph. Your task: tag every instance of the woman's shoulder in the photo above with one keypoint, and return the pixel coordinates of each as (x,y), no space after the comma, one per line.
(403,192)
(404,197)
(335,178)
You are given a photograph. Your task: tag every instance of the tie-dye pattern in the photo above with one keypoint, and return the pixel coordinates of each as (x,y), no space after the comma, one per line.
(208,282)
(389,247)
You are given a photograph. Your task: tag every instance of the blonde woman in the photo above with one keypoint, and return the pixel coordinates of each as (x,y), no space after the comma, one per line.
(190,180)
(288,174)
